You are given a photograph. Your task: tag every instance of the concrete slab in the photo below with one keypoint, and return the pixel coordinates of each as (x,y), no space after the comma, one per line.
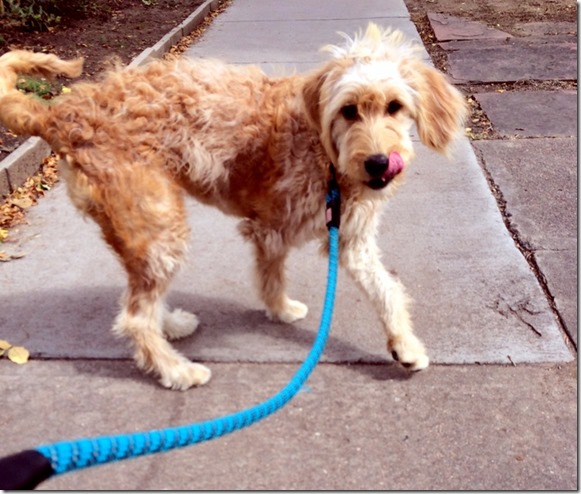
(357,427)
(515,41)
(476,298)
(449,27)
(545,28)
(538,179)
(251,42)
(560,270)
(541,58)
(301,10)
(531,113)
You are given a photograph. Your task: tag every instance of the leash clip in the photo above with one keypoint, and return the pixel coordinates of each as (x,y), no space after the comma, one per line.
(333,209)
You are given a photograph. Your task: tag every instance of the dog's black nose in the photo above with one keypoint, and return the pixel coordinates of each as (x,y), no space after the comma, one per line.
(376,165)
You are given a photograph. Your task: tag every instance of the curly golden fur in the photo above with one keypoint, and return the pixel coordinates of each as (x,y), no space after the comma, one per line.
(255,147)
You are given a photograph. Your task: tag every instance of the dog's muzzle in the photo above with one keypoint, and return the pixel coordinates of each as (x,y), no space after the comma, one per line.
(382,169)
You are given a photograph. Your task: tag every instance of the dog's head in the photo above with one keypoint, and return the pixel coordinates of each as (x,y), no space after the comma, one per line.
(364,101)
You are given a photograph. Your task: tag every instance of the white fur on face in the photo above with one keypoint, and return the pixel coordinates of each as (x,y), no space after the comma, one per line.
(371,86)
(370,74)
(377,75)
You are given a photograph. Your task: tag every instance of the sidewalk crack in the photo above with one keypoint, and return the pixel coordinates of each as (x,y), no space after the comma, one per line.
(504,308)
(517,314)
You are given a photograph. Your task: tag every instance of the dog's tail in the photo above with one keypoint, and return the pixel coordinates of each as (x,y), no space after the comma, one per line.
(21,113)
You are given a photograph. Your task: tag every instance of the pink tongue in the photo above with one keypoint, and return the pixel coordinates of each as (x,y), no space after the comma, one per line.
(395,166)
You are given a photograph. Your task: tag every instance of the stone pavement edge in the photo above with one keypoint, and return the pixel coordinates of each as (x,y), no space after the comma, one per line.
(497,409)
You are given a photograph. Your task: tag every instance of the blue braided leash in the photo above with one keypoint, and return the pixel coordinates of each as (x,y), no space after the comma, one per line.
(29,468)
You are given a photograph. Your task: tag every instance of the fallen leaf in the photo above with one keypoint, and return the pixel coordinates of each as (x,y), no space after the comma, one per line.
(3,234)
(23,202)
(5,257)
(4,345)
(18,355)
(13,209)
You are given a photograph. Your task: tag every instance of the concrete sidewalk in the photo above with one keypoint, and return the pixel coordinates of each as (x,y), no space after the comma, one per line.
(497,410)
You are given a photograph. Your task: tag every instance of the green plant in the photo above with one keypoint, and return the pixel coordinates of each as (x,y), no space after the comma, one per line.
(32,14)
(41,15)
(39,87)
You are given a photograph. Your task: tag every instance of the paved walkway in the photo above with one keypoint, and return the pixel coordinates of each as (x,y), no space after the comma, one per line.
(502,417)
(536,177)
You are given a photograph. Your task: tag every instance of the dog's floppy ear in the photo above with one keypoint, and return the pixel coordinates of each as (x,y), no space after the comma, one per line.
(312,98)
(440,107)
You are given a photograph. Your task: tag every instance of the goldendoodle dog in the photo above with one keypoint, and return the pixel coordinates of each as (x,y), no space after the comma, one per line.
(256,147)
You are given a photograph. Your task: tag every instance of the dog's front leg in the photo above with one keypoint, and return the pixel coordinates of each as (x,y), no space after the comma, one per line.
(361,259)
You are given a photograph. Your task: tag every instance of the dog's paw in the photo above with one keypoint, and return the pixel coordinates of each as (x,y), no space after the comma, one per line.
(179,324)
(292,311)
(185,375)
(409,352)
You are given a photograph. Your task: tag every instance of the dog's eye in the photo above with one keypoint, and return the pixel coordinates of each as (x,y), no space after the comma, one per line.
(393,107)
(349,112)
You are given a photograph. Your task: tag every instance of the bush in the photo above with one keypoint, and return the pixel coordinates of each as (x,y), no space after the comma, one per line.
(40,15)
(31,14)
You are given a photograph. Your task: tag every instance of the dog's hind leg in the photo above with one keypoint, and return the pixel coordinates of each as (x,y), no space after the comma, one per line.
(271,252)
(179,323)
(142,215)
(361,258)
(144,316)
(141,318)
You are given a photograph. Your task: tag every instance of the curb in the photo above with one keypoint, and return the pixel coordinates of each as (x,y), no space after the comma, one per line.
(26,159)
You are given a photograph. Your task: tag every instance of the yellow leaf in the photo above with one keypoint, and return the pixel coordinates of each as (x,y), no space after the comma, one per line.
(18,354)
(4,257)
(23,203)
(65,90)
(3,234)
(4,345)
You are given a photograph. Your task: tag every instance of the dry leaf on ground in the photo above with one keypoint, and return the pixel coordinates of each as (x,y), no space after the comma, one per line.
(13,209)
(4,345)
(5,257)
(18,355)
